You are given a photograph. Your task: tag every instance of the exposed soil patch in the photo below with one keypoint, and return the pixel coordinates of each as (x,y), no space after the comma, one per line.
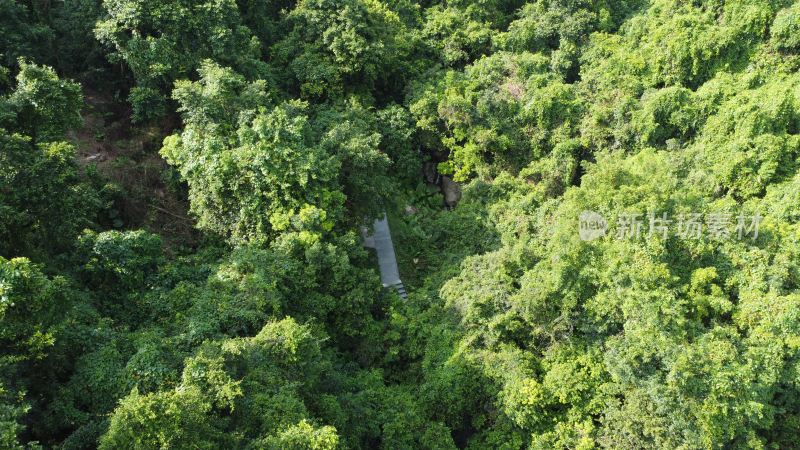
(149,193)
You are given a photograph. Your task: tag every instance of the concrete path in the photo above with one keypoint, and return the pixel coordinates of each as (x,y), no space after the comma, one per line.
(381,241)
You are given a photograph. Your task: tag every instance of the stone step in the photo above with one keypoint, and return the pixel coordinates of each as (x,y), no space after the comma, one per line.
(401,290)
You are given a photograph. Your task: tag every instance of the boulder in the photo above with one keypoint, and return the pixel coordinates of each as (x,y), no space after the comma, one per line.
(429,170)
(451,191)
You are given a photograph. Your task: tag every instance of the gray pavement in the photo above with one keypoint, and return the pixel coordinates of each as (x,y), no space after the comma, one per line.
(390,274)
(381,241)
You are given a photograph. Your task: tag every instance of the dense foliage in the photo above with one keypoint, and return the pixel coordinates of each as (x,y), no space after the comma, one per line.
(284,127)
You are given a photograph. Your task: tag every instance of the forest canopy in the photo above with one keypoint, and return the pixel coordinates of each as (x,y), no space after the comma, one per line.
(595,210)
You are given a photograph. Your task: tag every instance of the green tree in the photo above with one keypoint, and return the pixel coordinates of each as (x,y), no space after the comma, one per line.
(45,105)
(43,201)
(338,46)
(20,33)
(250,182)
(163,42)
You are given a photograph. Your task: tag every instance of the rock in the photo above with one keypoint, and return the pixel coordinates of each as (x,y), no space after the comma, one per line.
(410,210)
(451,191)
(429,170)
(96,157)
(367,238)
